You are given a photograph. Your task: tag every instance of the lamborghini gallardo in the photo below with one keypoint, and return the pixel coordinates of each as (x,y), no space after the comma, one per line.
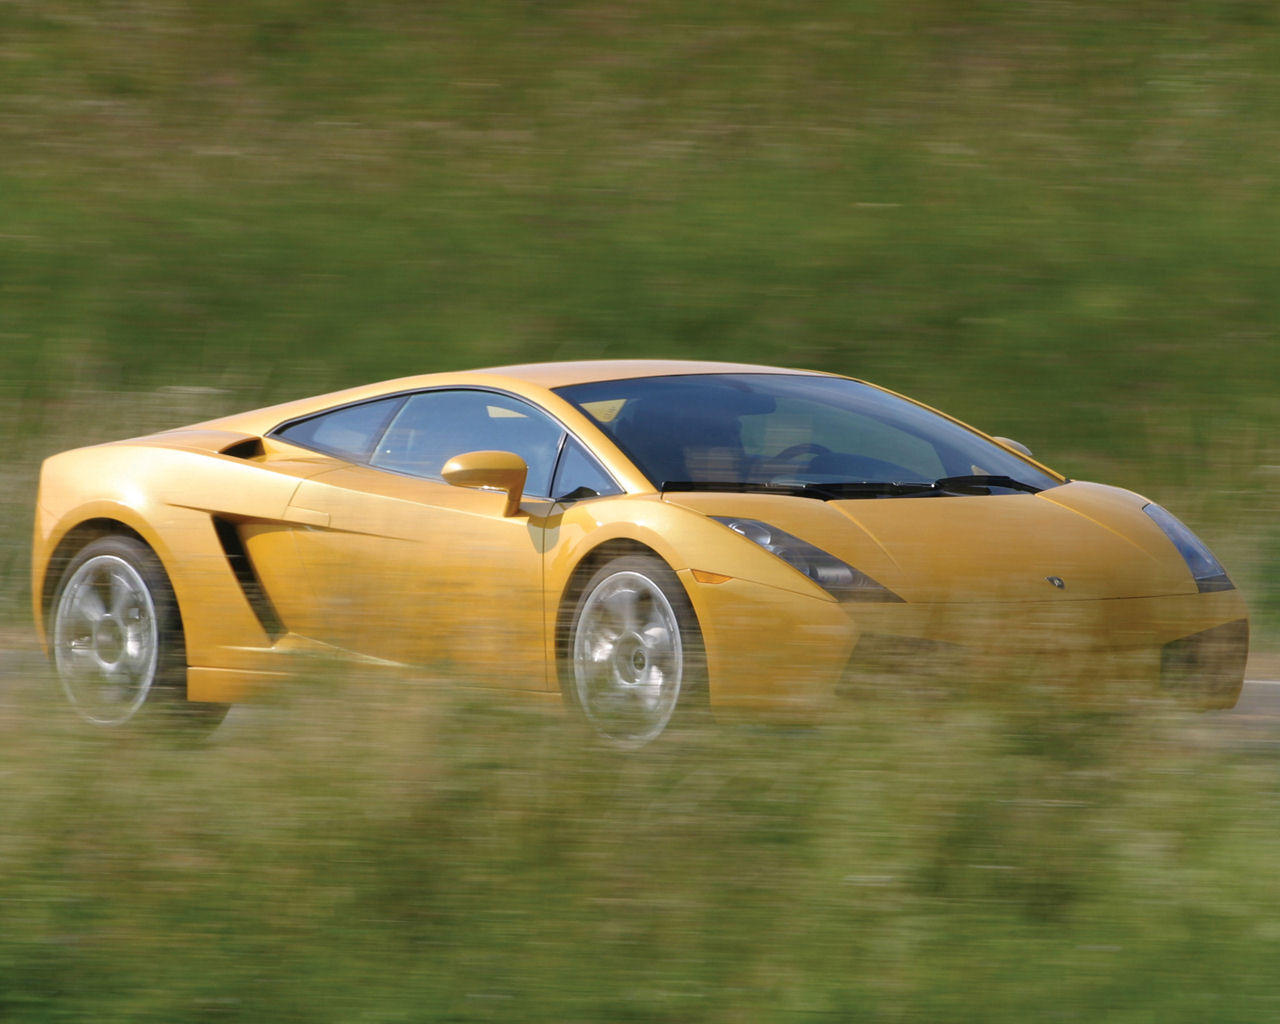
(644,540)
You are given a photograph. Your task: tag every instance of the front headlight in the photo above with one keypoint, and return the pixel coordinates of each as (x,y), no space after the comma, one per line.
(1205,569)
(841,580)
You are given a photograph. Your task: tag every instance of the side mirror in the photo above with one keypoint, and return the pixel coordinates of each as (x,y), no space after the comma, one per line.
(1017,446)
(489,471)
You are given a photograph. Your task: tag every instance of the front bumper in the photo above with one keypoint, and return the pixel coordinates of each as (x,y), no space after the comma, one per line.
(770,650)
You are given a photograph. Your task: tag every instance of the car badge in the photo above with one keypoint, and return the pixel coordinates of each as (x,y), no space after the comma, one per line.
(1057,581)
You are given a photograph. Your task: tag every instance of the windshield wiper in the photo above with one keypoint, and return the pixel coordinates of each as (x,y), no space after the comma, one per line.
(870,489)
(979,483)
(800,489)
(736,487)
(976,484)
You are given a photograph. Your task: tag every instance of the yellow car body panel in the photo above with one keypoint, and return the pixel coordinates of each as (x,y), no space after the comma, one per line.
(274,549)
(932,551)
(398,609)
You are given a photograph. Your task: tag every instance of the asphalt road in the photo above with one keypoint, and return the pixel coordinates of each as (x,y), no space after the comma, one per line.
(1254,721)
(1260,698)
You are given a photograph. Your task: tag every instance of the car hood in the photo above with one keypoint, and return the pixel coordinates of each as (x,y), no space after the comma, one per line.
(1093,540)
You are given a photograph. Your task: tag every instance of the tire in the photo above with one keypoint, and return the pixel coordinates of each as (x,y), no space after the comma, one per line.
(635,653)
(116,640)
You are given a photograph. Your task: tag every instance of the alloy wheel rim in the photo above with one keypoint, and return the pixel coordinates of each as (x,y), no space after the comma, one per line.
(628,658)
(106,640)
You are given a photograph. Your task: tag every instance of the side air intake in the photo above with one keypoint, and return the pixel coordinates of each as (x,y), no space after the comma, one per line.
(238,559)
(250,448)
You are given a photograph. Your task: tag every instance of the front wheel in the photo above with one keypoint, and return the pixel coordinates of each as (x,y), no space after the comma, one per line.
(117,642)
(635,651)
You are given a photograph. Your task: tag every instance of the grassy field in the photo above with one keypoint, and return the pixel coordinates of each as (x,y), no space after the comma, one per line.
(1053,220)
(356,853)
(1056,220)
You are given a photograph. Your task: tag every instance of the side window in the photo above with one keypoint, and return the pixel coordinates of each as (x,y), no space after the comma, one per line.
(434,426)
(349,432)
(579,476)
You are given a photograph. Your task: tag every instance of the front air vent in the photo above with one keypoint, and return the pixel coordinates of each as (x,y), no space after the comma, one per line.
(1210,664)
(238,559)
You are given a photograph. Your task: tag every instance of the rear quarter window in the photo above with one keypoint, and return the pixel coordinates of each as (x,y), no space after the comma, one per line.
(349,432)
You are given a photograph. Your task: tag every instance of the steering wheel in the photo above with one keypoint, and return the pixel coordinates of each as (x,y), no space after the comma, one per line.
(796,450)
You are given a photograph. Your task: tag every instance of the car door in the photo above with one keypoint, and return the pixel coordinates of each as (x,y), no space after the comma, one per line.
(405,567)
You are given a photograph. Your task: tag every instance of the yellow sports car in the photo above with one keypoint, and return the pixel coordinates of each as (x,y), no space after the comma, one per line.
(640,538)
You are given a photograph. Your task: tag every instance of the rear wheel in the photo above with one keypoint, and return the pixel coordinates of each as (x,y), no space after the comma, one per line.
(635,651)
(117,641)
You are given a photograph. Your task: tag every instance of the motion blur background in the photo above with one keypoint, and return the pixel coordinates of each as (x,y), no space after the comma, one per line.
(1055,219)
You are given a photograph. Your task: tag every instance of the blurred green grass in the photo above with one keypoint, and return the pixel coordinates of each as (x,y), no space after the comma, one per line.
(358,852)
(1054,220)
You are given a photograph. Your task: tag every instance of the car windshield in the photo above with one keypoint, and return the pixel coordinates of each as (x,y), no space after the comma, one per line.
(828,437)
